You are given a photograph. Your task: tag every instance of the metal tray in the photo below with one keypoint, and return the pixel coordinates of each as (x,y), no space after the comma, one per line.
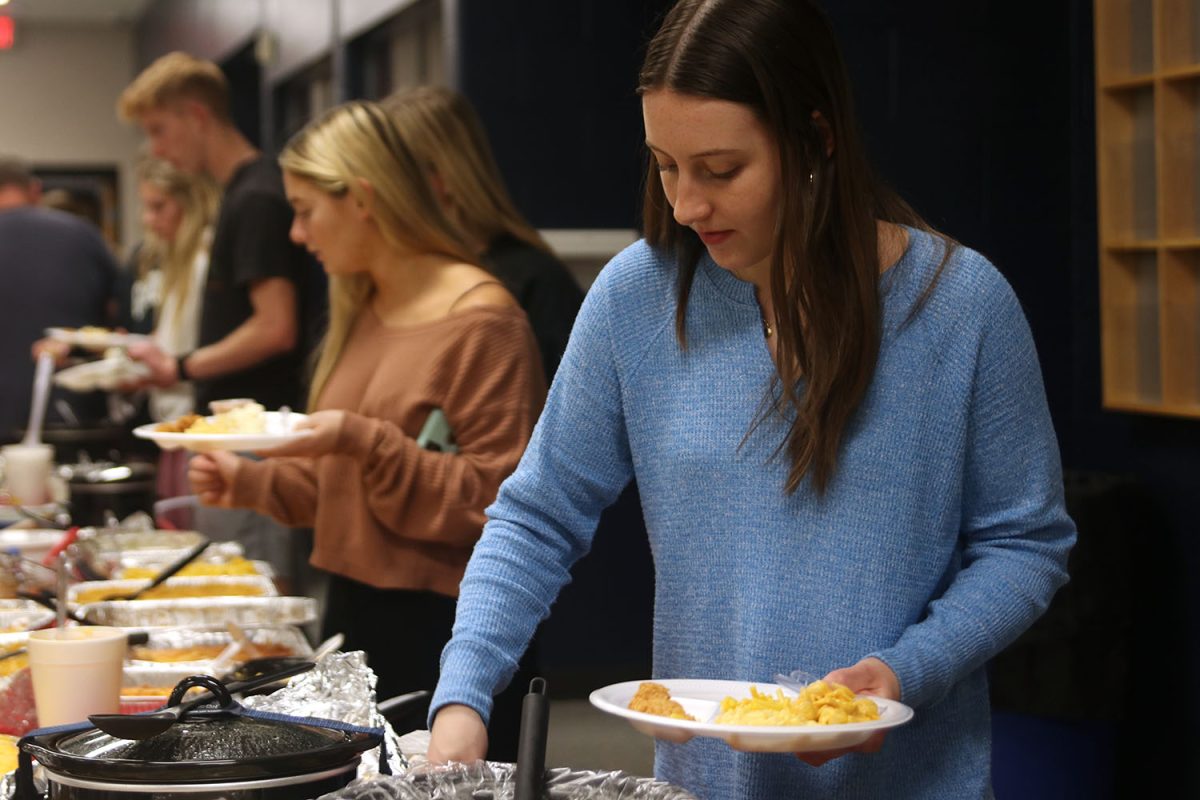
(217,554)
(212,613)
(175,638)
(23,615)
(102,551)
(234,585)
(33,543)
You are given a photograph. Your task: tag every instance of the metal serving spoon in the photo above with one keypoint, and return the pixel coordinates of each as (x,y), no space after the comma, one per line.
(143,726)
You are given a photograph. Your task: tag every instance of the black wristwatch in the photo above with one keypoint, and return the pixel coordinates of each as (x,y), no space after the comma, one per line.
(181,367)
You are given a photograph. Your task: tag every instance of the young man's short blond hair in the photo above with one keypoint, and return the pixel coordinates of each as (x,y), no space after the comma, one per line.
(174,77)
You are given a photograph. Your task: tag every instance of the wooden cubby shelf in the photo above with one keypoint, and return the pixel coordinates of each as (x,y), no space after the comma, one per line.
(1148,167)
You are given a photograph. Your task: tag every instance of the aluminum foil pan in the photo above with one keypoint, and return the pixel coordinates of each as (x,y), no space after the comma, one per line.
(283,641)
(191,587)
(102,552)
(494,781)
(32,543)
(211,613)
(158,558)
(216,557)
(146,676)
(23,615)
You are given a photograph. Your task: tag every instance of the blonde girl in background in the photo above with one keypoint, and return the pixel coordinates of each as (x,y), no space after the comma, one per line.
(450,143)
(425,393)
(170,267)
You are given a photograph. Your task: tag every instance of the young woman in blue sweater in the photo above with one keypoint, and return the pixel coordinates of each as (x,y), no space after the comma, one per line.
(834,414)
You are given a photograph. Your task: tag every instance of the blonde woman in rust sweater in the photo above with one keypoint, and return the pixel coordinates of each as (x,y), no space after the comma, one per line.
(415,329)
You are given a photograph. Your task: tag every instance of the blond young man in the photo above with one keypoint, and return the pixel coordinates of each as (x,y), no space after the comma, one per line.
(250,322)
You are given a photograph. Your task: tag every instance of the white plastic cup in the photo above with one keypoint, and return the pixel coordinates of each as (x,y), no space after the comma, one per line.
(27,470)
(76,672)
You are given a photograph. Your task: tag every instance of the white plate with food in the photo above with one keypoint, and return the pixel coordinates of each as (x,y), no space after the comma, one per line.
(702,701)
(226,431)
(94,338)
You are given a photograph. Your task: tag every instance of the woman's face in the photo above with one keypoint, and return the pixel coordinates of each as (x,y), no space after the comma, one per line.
(720,173)
(329,226)
(161,213)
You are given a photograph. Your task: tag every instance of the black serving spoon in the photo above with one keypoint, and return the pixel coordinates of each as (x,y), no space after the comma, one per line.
(188,558)
(143,726)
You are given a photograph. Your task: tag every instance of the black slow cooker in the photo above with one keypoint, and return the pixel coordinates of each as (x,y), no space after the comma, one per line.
(218,751)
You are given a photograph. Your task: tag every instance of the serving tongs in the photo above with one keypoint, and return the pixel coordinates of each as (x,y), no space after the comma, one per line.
(143,726)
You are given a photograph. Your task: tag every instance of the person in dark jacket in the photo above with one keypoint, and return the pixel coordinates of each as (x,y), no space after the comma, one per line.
(449,139)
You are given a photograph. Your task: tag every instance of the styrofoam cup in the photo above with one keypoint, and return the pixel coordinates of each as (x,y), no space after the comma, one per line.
(27,472)
(76,672)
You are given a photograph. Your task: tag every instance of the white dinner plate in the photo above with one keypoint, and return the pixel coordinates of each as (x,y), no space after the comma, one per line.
(94,339)
(702,699)
(280,430)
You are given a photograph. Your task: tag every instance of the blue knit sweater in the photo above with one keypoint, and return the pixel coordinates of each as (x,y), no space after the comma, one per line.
(941,537)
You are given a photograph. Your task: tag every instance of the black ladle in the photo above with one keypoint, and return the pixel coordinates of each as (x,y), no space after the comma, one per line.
(143,726)
(188,558)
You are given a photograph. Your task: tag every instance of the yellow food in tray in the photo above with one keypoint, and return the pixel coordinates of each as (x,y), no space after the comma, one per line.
(234,566)
(13,664)
(819,703)
(654,698)
(167,591)
(206,652)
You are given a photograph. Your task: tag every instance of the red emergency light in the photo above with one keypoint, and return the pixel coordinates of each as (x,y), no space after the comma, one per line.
(7,33)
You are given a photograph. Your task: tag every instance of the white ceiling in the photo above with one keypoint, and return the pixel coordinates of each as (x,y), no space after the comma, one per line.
(75,11)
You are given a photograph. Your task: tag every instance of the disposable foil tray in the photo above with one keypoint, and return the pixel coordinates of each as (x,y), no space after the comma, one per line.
(283,640)
(205,587)
(495,780)
(104,552)
(212,613)
(23,615)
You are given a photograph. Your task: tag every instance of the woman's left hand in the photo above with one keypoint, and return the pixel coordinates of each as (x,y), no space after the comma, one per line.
(325,426)
(869,676)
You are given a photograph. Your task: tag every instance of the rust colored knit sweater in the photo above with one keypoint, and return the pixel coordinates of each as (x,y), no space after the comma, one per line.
(389,513)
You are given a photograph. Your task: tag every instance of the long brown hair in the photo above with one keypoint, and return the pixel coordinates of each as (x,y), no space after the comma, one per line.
(446,135)
(780,59)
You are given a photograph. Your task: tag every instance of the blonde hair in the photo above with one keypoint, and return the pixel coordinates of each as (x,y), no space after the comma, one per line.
(348,145)
(447,137)
(174,77)
(198,199)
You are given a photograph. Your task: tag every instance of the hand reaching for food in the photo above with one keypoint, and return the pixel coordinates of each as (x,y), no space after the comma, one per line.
(164,370)
(212,476)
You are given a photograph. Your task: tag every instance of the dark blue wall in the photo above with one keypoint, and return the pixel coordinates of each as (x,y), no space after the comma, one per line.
(555,84)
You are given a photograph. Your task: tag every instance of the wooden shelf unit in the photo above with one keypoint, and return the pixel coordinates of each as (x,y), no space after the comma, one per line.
(1148,166)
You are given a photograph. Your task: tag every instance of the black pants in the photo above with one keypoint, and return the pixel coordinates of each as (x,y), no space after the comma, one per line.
(403,633)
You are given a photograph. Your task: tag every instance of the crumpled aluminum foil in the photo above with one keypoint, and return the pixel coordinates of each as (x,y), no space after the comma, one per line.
(341,687)
(495,781)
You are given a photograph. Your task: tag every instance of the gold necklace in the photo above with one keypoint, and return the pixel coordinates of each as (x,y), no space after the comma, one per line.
(767,329)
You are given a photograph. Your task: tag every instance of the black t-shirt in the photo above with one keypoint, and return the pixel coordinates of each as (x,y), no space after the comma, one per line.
(251,244)
(545,290)
(57,272)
